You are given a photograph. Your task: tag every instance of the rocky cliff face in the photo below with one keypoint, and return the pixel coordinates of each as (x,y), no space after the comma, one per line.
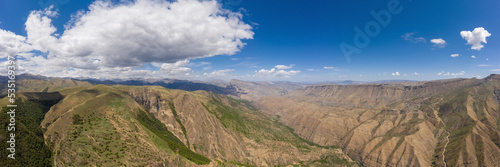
(453,121)
(371,95)
(133,126)
(210,124)
(184,114)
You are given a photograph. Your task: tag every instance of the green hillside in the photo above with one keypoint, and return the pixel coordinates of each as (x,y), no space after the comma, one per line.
(30,149)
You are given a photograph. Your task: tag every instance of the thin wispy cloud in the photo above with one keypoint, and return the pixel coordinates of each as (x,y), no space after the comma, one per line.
(248,64)
(328,68)
(411,37)
(203,63)
(333,68)
(219,73)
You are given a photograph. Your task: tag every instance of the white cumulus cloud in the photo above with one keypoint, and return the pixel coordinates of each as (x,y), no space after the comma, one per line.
(120,37)
(454,55)
(396,74)
(175,69)
(473,56)
(144,31)
(439,42)
(475,37)
(275,72)
(12,44)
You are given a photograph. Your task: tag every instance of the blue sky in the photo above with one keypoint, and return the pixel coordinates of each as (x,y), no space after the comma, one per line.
(303,37)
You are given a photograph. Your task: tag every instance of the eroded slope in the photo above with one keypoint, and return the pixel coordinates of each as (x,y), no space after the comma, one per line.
(452,121)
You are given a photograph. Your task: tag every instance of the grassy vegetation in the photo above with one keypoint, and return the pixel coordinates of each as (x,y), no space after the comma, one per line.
(77,119)
(480,105)
(107,129)
(240,116)
(479,146)
(174,112)
(400,131)
(94,141)
(454,109)
(240,164)
(437,158)
(458,123)
(329,160)
(310,143)
(31,149)
(155,126)
(400,142)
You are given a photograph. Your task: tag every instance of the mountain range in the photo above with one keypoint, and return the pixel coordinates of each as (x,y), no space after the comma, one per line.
(86,122)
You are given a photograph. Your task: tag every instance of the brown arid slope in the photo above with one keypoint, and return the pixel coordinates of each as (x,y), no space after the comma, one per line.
(438,123)
(371,95)
(49,85)
(226,129)
(423,124)
(253,90)
(154,126)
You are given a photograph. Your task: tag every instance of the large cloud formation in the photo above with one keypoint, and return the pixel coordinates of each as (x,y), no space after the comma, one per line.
(119,37)
(476,37)
(11,44)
